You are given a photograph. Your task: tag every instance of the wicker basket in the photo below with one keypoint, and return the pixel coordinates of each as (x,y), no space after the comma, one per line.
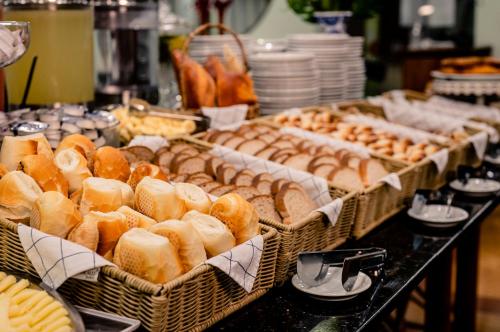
(253,110)
(194,301)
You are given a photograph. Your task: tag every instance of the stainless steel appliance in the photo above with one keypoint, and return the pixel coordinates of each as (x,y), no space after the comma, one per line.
(126,50)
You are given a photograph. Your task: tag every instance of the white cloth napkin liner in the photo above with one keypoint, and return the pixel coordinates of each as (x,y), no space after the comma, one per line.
(242,262)
(152,142)
(223,116)
(440,159)
(55,259)
(480,142)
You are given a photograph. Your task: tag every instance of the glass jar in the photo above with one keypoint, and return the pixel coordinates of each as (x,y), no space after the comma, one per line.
(62,41)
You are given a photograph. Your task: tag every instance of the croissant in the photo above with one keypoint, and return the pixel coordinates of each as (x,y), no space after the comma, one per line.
(232,88)
(197,87)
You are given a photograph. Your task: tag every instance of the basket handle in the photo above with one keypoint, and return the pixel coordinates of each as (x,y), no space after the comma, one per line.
(221,27)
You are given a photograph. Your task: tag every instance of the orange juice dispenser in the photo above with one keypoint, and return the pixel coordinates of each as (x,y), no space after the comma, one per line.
(62,42)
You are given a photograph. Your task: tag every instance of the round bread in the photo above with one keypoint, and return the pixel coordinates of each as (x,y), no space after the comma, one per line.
(239,215)
(45,173)
(157,199)
(73,167)
(216,236)
(18,193)
(14,148)
(109,163)
(185,239)
(82,144)
(100,194)
(86,234)
(145,169)
(111,226)
(193,197)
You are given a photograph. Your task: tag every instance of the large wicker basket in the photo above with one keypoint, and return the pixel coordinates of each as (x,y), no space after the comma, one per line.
(192,302)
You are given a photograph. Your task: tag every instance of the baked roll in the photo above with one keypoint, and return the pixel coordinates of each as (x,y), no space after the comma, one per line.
(127,192)
(239,215)
(148,256)
(136,219)
(74,168)
(14,148)
(145,169)
(85,234)
(193,197)
(18,193)
(185,239)
(3,170)
(109,163)
(111,226)
(100,194)
(157,199)
(55,214)
(82,144)
(45,173)
(216,236)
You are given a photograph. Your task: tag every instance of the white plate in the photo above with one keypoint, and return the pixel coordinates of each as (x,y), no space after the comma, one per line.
(490,159)
(281,57)
(332,290)
(476,186)
(434,215)
(466,77)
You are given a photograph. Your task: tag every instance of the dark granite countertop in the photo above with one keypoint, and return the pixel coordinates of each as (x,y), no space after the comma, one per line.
(411,248)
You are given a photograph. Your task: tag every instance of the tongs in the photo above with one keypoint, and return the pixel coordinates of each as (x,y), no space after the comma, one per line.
(312,266)
(141,108)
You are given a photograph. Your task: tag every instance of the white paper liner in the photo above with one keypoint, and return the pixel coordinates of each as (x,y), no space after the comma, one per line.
(440,159)
(462,109)
(242,262)
(480,142)
(223,116)
(56,260)
(152,142)
(316,187)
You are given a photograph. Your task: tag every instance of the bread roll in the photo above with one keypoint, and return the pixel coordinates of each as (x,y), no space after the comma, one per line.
(18,193)
(74,168)
(135,219)
(99,194)
(147,255)
(185,238)
(193,197)
(127,192)
(55,214)
(86,234)
(82,144)
(216,236)
(145,169)
(109,163)
(3,170)
(14,148)
(157,199)
(45,173)
(239,215)
(111,226)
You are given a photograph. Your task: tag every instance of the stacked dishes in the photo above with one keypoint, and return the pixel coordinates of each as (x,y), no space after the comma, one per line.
(285,80)
(342,73)
(203,46)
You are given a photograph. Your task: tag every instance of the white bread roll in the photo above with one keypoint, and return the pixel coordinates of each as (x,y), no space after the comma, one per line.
(111,226)
(216,236)
(193,196)
(127,192)
(239,215)
(185,238)
(74,168)
(45,173)
(100,194)
(14,148)
(147,255)
(157,199)
(18,193)
(145,169)
(55,214)
(136,219)
(80,143)
(109,163)
(86,234)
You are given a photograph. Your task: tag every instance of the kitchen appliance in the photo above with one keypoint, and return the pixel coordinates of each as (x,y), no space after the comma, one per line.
(126,50)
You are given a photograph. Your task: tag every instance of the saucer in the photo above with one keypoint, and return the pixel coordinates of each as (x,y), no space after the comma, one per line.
(434,215)
(476,187)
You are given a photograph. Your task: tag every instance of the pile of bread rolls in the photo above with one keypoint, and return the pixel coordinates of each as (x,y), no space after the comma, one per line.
(342,168)
(274,199)
(24,308)
(377,140)
(148,227)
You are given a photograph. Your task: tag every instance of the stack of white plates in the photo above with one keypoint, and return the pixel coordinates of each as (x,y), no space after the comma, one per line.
(203,46)
(285,80)
(342,71)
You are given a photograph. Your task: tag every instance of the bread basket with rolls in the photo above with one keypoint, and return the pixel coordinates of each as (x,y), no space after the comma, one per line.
(217,82)
(160,236)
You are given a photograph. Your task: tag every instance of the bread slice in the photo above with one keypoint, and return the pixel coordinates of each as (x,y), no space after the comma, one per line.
(298,161)
(264,204)
(219,191)
(346,178)
(250,135)
(268,138)
(180,178)
(207,187)
(262,176)
(326,149)
(212,165)
(225,173)
(135,154)
(277,185)
(283,152)
(190,165)
(174,164)
(234,141)
(322,160)
(243,178)
(200,175)
(251,146)
(205,156)
(264,187)
(371,171)
(323,170)
(221,137)
(282,144)
(293,205)
(246,192)
(183,147)
(266,153)
(164,161)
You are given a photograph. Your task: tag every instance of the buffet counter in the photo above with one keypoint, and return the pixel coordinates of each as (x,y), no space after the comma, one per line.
(414,253)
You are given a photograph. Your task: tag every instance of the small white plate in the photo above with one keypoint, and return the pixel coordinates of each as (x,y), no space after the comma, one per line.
(332,290)
(465,77)
(434,215)
(476,186)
